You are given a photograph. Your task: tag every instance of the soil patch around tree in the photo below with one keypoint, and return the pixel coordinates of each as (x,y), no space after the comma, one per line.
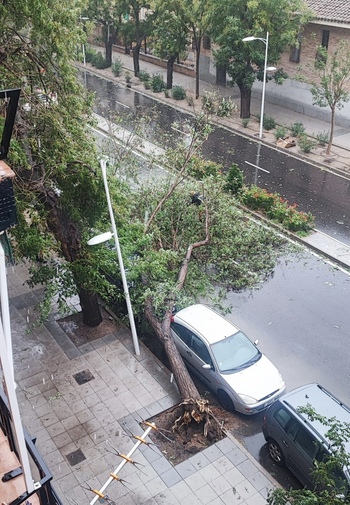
(80,334)
(179,445)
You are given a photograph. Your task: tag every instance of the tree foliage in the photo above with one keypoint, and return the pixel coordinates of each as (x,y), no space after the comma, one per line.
(332,88)
(52,152)
(244,61)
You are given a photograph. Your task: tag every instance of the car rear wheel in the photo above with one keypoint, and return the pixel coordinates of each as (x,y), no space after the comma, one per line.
(225,401)
(275,452)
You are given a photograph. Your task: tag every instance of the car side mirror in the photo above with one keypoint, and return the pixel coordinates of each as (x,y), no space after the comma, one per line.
(256,342)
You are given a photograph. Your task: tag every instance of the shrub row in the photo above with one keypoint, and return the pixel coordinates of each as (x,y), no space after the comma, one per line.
(272,205)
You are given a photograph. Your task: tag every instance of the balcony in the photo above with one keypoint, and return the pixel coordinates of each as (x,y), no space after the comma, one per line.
(13,491)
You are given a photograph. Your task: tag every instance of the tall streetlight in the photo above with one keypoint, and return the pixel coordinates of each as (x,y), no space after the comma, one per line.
(266,42)
(99,239)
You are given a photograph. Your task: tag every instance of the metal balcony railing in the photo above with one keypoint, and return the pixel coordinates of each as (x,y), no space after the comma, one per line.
(45,493)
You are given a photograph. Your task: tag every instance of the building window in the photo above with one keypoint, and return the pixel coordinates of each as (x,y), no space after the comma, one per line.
(321,55)
(295,54)
(206,42)
(325,38)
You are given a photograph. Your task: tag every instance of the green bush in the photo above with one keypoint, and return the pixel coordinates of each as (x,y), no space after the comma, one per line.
(117,67)
(166,93)
(226,107)
(245,122)
(258,198)
(269,123)
(306,143)
(281,132)
(90,53)
(178,93)
(157,83)
(297,129)
(234,180)
(198,168)
(144,76)
(277,209)
(322,138)
(210,101)
(99,61)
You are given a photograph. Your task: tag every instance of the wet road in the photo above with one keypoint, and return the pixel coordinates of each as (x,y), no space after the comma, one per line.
(300,315)
(324,194)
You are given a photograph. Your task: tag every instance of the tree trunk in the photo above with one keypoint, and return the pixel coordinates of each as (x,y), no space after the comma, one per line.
(90,308)
(246,95)
(111,37)
(162,329)
(170,71)
(136,58)
(198,53)
(68,235)
(331,134)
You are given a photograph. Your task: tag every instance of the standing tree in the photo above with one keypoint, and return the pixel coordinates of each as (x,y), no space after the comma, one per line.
(136,27)
(244,62)
(170,36)
(333,87)
(108,14)
(52,153)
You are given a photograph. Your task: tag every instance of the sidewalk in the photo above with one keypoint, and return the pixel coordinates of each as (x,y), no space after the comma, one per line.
(72,422)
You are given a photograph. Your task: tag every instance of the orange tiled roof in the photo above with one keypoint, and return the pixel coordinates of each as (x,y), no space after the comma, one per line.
(331,10)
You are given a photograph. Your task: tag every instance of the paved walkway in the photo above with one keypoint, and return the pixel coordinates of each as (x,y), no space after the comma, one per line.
(73,423)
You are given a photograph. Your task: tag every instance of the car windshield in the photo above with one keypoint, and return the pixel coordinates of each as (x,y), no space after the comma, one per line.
(235,353)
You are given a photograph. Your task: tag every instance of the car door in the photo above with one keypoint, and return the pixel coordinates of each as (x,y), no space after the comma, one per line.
(194,351)
(302,450)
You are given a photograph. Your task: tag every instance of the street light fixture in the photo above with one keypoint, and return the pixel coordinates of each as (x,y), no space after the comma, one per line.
(99,239)
(266,68)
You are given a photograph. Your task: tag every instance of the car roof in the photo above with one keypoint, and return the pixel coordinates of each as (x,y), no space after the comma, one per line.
(209,324)
(324,404)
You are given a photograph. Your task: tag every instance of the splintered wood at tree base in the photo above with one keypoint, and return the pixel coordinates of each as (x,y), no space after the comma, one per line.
(182,443)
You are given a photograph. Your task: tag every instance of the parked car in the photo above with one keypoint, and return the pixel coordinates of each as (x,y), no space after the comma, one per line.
(299,441)
(229,364)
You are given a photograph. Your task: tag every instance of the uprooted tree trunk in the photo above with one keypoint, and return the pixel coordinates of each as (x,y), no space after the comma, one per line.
(195,408)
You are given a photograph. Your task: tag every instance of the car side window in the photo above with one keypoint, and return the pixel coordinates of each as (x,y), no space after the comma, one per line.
(307,443)
(200,349)
(183,333)
(282,417)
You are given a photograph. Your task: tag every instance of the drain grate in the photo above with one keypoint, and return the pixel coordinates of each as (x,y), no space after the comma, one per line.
(83,377)
(76,457)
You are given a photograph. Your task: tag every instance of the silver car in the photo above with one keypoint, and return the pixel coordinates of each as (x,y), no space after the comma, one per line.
(229,364)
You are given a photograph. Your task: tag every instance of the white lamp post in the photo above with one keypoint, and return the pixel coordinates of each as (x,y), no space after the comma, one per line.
(107,236)
(266,42)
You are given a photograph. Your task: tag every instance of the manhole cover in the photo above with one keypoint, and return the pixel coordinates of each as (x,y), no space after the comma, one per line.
(75,457)
(83,377)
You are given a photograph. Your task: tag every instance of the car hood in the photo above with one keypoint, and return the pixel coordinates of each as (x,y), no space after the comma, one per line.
(258,381)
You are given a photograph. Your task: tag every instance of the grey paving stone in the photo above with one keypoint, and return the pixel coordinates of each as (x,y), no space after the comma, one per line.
(199,461)
(206,494)
(185,469)
(220,485)
(166,498)
(154,408)
(170,477)
(195,481)
(156,486)
(213,452)
(161,465)
(247,468)
(236,456)
(85,348)
(226,445)
(181,490)
(256,499)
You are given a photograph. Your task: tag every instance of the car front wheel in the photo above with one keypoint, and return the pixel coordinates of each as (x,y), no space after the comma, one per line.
(225,401)
(275,452)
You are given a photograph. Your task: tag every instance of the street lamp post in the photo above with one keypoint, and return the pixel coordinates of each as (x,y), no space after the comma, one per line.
(107,236)
(266,42)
